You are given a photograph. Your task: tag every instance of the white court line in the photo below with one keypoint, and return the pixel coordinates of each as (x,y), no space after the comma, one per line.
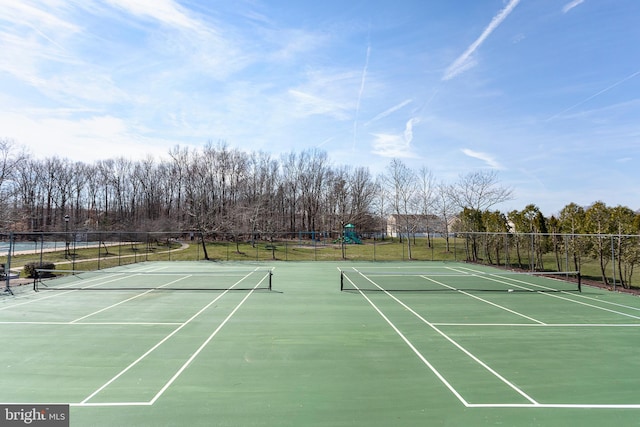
(41,298)
(533,404)
(560,297)
(488,276)
(204,344)
(445,336)
(413,348)
(59,291)
(92,323)
(607,302)
(143,356)
(483,300)
(116,404)
(556,405)
(182,368)
(96,312)
(548,325)
(469,405)
(595,306)
(127,300)
(135,362)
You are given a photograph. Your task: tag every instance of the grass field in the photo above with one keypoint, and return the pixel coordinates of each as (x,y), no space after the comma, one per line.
(308,354)
(117,253)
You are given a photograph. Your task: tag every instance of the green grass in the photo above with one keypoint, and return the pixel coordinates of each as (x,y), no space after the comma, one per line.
(304,250)
(291,250)
(105,256)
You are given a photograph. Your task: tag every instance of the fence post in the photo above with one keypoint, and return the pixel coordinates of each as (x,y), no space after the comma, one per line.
(7,267)
(374,247)
(455,247)
(613,262)
(41,246)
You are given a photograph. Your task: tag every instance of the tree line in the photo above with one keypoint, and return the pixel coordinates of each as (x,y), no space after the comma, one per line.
(218,189)
(211,189)
(609,235)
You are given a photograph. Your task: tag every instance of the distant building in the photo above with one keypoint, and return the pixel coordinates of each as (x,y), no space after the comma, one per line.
(419,225)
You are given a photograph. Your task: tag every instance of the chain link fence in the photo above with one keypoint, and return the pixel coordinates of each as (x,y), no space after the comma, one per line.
(609,260)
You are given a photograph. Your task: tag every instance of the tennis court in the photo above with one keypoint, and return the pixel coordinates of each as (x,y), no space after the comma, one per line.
(322,344)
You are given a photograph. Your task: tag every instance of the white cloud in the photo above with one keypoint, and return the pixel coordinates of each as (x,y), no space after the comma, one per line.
(395,145)
(408,130)
(465,61)
(488,159)
(19,13)
(49,133)
(392,146)
(166,12)
(327,92)
(288,44)
(306,104)
(571,5)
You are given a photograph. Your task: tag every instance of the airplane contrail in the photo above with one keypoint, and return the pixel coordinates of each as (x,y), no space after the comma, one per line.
(362,82)
(389,111)
(462,63)
(594,95)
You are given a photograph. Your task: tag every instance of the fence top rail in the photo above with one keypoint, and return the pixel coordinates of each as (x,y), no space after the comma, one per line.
(517,234)
(176,234)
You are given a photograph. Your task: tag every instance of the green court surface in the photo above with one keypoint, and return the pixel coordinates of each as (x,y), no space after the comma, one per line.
(161,347)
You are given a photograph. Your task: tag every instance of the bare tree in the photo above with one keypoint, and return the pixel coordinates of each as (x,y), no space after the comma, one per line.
(379,203)
(426,195)
(338,203)
(29,180)
(400,185)
(362,190)
(10,157)
(257,202)
(474,194)
(479,191)
(181,158)
(290,190)
(314,166)
(445,208)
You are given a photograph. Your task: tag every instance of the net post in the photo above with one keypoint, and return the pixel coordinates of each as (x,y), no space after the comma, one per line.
(579,282)
(37,280)
(341,281)
(5,275)
(270,276)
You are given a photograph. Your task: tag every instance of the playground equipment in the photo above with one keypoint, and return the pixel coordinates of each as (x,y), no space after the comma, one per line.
(350,236)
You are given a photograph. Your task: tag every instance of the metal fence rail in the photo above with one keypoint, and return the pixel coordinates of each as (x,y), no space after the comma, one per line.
(609,259)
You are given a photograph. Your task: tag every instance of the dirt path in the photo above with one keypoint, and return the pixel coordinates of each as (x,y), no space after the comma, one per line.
(19,281)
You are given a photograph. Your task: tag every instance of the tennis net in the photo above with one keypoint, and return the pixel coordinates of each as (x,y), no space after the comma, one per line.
(459,279)
(132,280)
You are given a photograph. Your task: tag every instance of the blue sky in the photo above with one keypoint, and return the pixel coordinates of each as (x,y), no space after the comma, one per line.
(545,92)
